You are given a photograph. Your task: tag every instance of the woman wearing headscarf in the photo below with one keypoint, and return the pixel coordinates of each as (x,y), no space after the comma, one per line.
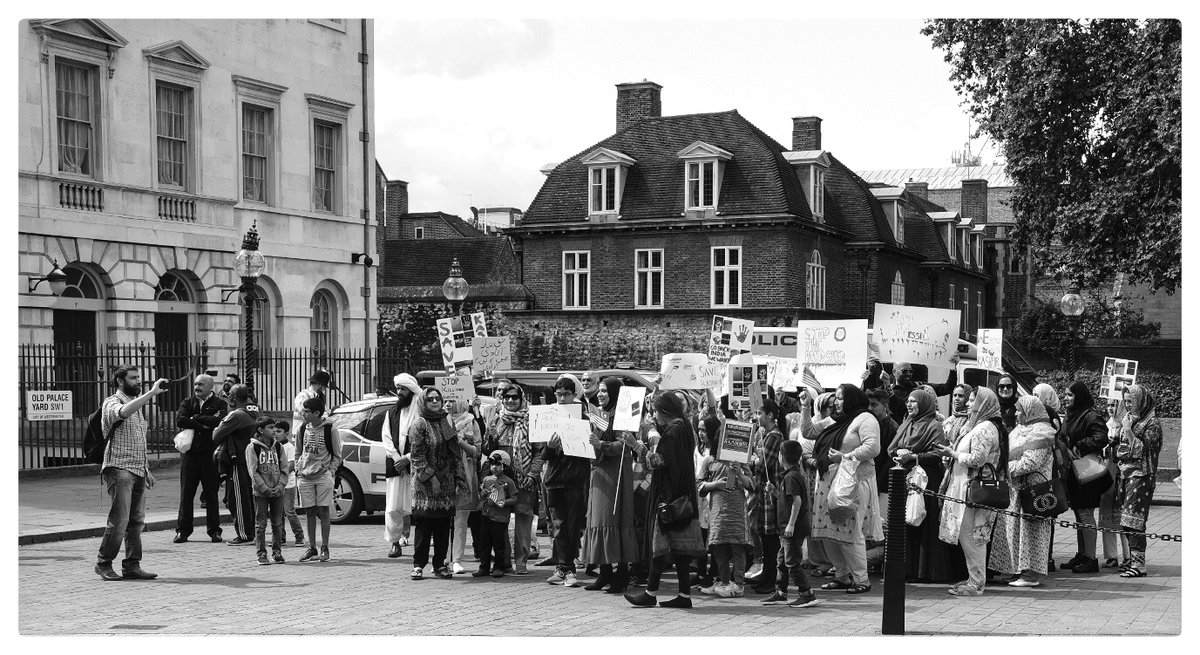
(608,537)
(508,430)
(1006,393)
(673,477)
(917,442)
(818,560)
(1049,398)
(971,527)
(398,465)
(1137,458)
(437,480)
(1110,512)
(1021,546)
(467,501)
(952,426)
(1085,433)
(850,436)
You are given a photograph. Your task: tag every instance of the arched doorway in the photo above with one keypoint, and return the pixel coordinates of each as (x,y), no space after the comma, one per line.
(76,360)
(172,337)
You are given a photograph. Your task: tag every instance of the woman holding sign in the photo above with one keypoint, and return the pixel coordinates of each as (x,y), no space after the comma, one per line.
(1137,458)
(847,442)
(608,538)
(508,430)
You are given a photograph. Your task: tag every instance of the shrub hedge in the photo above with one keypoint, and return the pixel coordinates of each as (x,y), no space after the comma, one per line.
(1165,387)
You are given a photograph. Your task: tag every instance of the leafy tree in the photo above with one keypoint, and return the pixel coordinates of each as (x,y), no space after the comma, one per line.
(1042,329)
(1088,114)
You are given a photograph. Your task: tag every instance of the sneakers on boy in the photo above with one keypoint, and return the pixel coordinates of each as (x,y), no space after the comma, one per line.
(776,598)
(558,577)
(457,568)
(309,555)
(807,599)
(754,570)
(324,553)
(278,557)
(570,580)
(262,558)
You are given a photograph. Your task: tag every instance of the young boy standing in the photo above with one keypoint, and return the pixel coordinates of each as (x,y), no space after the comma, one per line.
(268,476)
(283,432)
(318,456)
(791,520)
(497,495)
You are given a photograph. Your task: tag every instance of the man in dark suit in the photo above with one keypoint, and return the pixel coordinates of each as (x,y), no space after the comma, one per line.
(201,412)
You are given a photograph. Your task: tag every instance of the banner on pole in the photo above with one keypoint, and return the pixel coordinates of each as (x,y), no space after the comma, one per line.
(734,444)
(835,351)
(729,336)
(989,348)
(630,402)
(690,371)
(455,387)
(1116,375)
(918,335)
(491,354)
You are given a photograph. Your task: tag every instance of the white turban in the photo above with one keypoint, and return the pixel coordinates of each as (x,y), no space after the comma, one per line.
(408,382)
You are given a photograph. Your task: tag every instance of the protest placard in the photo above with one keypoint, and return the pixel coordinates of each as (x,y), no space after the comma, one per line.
(630,402)
(743,371)
(542,417)
(690,371)
(729,336)
(1116,375)
(454,337)
(455,387)
(918,335)
(478,325)
(575,436)
(783,373)
(491,354)
(758,392)
(989,348)
(734,444)
(835,351)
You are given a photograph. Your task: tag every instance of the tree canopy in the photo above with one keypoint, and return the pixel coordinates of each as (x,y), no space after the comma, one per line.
(1089,117)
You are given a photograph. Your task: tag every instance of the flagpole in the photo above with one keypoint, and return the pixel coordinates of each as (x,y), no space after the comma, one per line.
(620,470)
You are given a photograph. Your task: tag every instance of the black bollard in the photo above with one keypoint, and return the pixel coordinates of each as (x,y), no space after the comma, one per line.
(893,558)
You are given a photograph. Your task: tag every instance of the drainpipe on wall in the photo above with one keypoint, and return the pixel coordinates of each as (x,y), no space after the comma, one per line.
(365,139)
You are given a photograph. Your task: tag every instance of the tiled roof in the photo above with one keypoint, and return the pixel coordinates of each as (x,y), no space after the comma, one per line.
(857,210)
(757,180)
(457,224)
(426,262)
(920,232)
(940,178)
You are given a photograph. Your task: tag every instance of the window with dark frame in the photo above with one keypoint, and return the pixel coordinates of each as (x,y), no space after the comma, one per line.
(173,126)
(256,151)
(75,106)
(324,165)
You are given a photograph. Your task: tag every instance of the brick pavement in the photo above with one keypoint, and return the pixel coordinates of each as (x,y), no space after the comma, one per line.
(362,592)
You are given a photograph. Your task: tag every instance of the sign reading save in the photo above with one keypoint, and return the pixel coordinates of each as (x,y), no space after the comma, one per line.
(48,406)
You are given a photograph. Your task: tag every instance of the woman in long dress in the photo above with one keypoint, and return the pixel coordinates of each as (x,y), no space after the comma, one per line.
(437,480)
(508,429)
(1137,458)
(609,538)
(1086,432)
(1021,546)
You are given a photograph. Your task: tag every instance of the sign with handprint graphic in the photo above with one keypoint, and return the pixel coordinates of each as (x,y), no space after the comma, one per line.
(918,335)
(729,336)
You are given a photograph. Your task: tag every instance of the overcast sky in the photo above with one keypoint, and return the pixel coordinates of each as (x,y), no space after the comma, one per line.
(468,111)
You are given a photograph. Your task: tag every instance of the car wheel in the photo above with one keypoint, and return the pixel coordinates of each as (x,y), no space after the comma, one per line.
(347,498)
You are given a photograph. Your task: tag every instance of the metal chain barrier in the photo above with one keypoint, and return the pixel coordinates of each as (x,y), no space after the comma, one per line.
(1031,517)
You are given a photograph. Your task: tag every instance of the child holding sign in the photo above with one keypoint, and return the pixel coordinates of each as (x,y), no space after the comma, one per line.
(724,485)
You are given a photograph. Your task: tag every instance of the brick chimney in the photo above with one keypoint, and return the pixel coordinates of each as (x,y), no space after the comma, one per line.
(974,199)
(637,101)
(920,189)
(397,205)
(806,133)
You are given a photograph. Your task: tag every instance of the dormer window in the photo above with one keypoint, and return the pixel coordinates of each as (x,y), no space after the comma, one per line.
(818,192)
(704,168)
(607,171)
(811,168)
(898,224)
(950,241)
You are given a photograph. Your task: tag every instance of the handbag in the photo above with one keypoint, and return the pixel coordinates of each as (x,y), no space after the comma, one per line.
(914,508)
(988,491)
(676,511)
(1088,468)
(1047,498)
(183,440)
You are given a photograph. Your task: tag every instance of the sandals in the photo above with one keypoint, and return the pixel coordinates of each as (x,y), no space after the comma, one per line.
(1133,573)
(838,584)
(417,574)
(859,589)
(445,574)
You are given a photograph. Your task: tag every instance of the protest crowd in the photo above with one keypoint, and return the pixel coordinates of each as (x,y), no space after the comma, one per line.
(787,492)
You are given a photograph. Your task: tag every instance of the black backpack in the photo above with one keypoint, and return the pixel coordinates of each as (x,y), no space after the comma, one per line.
(94,439)
(328,437)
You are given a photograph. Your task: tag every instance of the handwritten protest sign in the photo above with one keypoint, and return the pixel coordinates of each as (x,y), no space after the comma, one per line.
(917,335)
(729,337)
(988,349)
(491,354)
(455,387)
(743,371)
(478,324)
(630,402)
(1116,375)
(734,444)
(542,417)
(690,371)
(575,436)
(783,373)
(835,351)
(454,337)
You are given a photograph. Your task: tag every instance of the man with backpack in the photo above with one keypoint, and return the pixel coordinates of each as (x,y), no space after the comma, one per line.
(126,474)
(232,437)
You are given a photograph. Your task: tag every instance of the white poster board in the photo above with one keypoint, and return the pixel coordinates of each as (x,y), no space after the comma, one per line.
(455,387)
(729,336)
(630,402)
(491,354)
(1117,374)
(49,406)
(575,436)
(989,348)
(734,444)
(835,351)
(784,374)
(542,418)
(690,371)
(917,335)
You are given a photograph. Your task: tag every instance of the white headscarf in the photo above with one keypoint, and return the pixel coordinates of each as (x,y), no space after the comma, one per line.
(408,414)
(578,385)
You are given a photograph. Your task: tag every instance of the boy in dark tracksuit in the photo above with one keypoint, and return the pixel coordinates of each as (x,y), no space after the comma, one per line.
(268,470)
(791,522)
(497,496)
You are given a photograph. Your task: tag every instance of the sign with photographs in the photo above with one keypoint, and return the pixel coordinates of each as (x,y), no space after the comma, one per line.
(743,372)
(630,402)
(835,351)
(988,349)
(454,338)
(734,444)
(729,337)
(918,335)
(1116,375)
(690,371)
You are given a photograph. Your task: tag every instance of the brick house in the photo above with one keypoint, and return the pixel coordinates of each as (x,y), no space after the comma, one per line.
(634,242)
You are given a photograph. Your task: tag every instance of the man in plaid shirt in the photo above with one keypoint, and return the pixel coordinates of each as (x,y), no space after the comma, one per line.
(126,475)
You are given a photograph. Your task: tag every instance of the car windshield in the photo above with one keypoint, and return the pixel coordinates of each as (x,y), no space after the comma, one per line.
(355,421)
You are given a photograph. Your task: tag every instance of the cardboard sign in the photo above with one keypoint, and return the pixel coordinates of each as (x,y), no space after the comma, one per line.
(743,371)
(1116,375)
(478,324)
(542,417)
(734,444)
(835,351)
(49,406)
(690,371)
(758,392)
(455,387)
(988,350)
(491,354)
(729,337)
(918,335)
(454,337)
(575,436)
(630,402)
(784,374)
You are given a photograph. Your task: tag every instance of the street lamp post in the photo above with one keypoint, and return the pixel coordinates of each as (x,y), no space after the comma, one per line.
(455,288)
(1071,306)
(248,265)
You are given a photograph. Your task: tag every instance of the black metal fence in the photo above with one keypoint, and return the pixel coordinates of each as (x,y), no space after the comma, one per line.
(85,371)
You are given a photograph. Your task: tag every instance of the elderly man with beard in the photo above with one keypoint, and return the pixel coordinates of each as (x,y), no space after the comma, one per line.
(126,474)
(201,413)
(233,437)
(399,462)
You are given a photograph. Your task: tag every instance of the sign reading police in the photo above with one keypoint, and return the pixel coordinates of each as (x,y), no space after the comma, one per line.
(48,406)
